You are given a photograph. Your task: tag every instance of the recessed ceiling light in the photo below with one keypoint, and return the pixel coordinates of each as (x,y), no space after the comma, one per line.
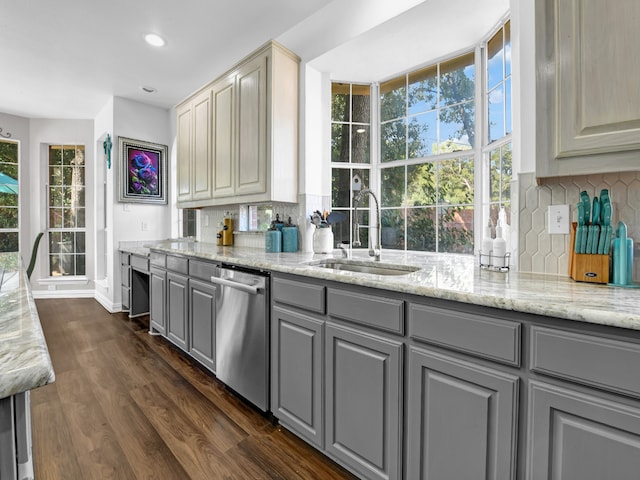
(155,40)
(148,89)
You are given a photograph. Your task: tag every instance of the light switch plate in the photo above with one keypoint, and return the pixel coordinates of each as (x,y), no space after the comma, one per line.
(558,219)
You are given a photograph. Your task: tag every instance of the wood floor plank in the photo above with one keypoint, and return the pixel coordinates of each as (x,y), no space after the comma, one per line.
(129,405)
(192,449)
(51,439)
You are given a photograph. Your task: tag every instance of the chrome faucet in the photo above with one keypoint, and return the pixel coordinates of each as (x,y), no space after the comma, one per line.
(375,251)
(345,248)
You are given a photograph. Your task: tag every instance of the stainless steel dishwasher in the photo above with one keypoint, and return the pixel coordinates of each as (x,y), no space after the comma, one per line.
(242,332)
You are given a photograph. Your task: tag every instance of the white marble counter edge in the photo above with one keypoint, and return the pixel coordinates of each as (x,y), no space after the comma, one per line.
(37,369)
(567,311)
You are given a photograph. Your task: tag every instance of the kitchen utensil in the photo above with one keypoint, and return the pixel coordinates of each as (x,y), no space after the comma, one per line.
(580,228)
(595,212)
(336,217)
(586,202)
(316,218)
(594,228)
(604,244)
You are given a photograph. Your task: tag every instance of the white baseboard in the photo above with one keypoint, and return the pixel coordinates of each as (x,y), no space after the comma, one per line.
(63,294)
(107,303)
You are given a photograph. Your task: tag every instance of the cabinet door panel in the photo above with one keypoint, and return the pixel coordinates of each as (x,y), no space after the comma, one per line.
(184,154)
(223,140)
(252,128)
(157,315)
(202,175)
(461,421)
(576,436)
(177,305)
(588,101)
(296,387)
(363,401)
(202,318)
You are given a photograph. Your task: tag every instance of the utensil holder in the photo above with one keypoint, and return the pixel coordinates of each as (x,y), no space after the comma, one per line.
(322,240)
(585,267)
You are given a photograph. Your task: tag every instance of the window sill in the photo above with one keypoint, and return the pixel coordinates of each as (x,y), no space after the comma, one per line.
(81,280)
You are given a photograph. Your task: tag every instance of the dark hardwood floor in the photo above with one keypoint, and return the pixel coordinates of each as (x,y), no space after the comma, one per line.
(129,405)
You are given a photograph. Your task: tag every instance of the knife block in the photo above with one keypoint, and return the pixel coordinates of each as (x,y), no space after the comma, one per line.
(587,267)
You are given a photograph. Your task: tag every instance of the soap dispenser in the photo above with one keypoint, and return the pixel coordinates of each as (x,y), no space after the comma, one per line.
(487,246)
(499,249)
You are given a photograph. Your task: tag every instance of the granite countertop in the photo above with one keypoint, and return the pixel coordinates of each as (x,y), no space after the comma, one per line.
(137,248)
(447,276)
(24,358)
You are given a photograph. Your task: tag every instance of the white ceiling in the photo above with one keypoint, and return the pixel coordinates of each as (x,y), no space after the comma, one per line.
(65,59)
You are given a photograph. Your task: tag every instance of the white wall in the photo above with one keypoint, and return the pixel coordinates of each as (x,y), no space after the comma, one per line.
(103,211)
(151,124)
(524,85)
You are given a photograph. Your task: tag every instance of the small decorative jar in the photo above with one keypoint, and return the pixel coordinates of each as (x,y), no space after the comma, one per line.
(323,240)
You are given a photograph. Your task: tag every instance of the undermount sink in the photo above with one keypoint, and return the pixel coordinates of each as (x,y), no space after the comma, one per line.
(362,266)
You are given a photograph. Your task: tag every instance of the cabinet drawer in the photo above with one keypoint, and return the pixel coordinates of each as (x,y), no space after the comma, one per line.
(158,259)
(475,334)
(124,258)
(202,270)
(178,264)
(124,276)
(378,312)
(140,263)
(601,362)
(299,294)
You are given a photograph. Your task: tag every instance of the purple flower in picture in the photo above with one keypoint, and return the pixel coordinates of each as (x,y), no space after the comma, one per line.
(143,173)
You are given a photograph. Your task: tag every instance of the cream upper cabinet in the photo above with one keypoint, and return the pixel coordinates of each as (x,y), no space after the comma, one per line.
(252,127)
(223,137)
(587,91)
(254,132)
(194,148)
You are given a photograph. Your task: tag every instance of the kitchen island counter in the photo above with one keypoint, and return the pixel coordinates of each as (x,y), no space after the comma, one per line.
(24,358)
(446,276)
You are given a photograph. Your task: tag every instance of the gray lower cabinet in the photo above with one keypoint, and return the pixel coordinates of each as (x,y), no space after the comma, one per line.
(461,419)
(125,280)
(297,359)
(157,304)
(363,401)
(177,309)
(577,436)
(202,322)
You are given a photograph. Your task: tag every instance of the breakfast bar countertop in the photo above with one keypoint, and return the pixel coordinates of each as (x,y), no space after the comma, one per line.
(24,358)
(446,276)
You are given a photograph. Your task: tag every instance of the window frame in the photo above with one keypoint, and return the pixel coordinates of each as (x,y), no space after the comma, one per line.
(74,230)
(18,207)
(481,149)
(489,146)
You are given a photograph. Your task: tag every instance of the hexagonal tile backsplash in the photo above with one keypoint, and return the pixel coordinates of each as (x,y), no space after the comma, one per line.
(540,252)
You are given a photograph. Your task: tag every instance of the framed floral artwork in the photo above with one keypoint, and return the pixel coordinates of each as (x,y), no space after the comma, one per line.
(143,176)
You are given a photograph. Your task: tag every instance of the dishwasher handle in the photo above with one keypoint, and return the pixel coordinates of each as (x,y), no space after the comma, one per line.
(240,286)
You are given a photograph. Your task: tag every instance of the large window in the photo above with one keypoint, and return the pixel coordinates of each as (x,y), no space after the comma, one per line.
(424,161)
(350,152)
(427,134)
(66,205)
(497,151)
(9,196)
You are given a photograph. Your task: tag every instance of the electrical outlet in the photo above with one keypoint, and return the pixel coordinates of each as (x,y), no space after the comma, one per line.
(144,227)
(558,219)
(206,220)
